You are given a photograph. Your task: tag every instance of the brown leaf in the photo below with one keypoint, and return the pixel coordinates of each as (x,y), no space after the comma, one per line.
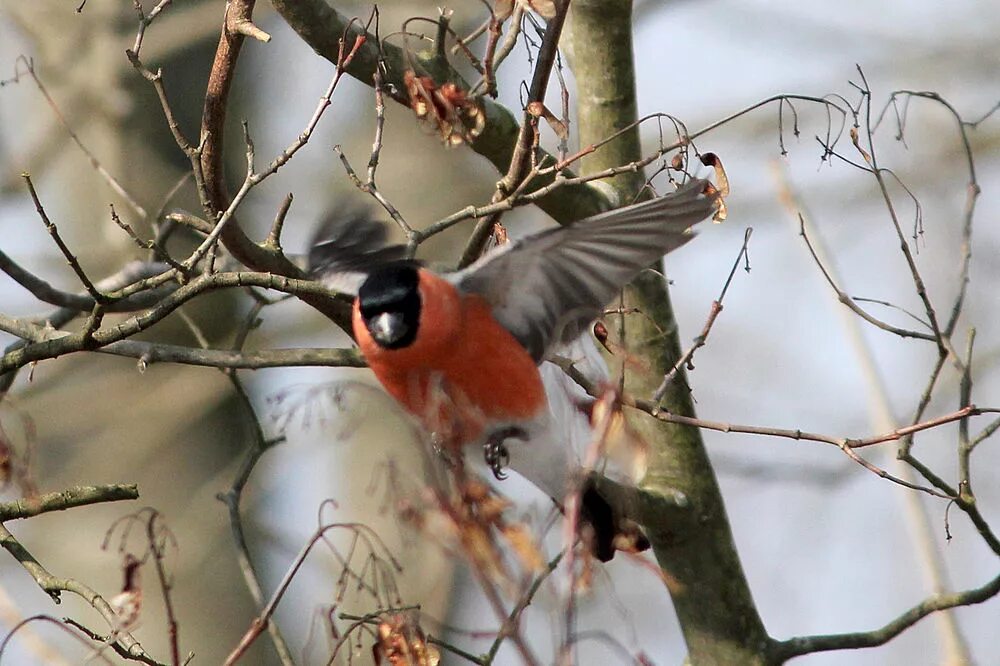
(524,546)
(480,549)
(401,642)
(500,236)
(601,333)
(630,537)
(722,181)
(721,211)
(6,463)
(446,109)
(622,444)
(857,144)
(127,604)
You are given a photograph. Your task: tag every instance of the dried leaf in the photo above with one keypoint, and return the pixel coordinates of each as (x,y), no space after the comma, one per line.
(483,502)
(857,144)
(721,211)
(401,642)
(480,548)
(525,547)
(500,236)
(6,462)
(127,604)
(630,537)
(445,109)
(601,333)
(722,181)
(622,444)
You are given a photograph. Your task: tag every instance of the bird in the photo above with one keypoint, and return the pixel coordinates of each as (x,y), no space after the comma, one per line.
(460,351)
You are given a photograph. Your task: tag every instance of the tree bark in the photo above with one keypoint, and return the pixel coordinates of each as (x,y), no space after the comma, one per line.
(695,548)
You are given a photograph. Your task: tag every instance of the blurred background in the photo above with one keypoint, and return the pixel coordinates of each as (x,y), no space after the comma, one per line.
(828,547)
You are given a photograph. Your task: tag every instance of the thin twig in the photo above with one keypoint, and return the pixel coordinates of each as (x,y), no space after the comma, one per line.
(699,342)
(520,162)
(44,650)
(264,618)
(274,236)
(151,245)
(54,586)
(54,232)
(64,343)
(515,614)
(844,298)
(116,186)
(232,497)
(845,444)
(921,529)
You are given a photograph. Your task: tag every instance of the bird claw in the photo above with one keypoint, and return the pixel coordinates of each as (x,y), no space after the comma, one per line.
(497,457)
(495,450)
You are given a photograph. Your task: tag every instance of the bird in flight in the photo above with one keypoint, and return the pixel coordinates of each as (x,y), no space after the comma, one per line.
(460,351)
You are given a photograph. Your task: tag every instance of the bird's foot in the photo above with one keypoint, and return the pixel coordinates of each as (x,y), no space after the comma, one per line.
(495,450)
(497,457)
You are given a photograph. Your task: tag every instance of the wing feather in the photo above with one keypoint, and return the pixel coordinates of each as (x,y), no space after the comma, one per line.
(346,248)
(545,288)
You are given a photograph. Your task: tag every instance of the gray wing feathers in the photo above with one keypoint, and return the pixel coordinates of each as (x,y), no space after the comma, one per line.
(545,288)
(346,247)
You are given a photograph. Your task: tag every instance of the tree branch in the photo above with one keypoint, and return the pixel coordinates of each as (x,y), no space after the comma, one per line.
(50,584)
(695,547)
(67,499)
(795,647)
(52,344)
(320,26)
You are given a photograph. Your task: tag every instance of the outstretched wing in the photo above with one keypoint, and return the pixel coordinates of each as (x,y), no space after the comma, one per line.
(545,288)
(346,248)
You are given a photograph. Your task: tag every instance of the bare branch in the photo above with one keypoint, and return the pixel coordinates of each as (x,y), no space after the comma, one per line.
(67,499)
(54,232)
(112,182)
(686,358)
(515,614)
(57,344)
(794,647)
(54,586)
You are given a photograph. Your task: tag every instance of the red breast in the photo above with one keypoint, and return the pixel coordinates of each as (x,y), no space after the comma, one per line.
(463,372)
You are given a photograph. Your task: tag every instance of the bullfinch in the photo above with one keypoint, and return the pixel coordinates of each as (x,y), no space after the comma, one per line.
(460,351)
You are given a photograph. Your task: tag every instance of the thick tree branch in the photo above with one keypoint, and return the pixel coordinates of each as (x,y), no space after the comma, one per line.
(320,26)
(258,256)
(695,548)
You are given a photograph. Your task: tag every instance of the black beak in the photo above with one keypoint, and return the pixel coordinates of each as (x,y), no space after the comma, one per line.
(388,328)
